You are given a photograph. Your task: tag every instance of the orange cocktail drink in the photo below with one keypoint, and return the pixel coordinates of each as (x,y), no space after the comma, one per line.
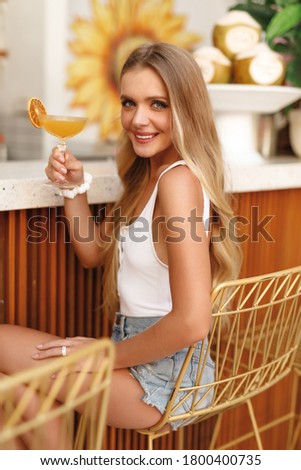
(62,127)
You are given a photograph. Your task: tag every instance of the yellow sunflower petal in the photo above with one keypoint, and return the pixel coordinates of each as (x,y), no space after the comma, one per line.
(87,91)
(104,19)
(162,10)
(82,69)
(88,37)
(94,109)
(108,118)
(186,40)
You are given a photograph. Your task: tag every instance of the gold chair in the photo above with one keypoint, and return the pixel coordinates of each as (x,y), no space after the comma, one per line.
(29,401)
(253,341)
(293,416)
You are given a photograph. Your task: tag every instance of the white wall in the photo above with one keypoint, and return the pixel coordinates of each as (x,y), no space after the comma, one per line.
(202,14)
(25,44)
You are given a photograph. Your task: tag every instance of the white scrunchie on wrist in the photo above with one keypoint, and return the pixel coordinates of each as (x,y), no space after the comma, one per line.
(83,188)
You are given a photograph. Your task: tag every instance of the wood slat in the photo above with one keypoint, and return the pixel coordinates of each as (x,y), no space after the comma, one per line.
(10,268)
(43,285)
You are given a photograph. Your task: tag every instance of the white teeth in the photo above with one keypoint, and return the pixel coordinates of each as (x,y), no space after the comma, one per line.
(145,137)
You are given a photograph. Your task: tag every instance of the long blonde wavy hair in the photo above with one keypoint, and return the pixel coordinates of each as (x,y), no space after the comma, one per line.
(195,138)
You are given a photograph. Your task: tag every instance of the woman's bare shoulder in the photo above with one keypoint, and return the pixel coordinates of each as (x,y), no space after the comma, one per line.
(180,188)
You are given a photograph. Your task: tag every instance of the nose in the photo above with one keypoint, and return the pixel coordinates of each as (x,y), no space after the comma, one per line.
(141,116)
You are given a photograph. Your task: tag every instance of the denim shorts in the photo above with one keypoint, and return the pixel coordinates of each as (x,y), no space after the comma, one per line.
(158,378)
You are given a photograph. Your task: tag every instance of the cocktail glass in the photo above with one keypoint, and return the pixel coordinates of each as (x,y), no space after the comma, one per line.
(62,127)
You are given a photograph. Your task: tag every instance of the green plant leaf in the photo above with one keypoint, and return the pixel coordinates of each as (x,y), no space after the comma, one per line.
(261,13)
(293,72)
(292,40)
(285,3)
(283,21)
(284,48)
(296,40)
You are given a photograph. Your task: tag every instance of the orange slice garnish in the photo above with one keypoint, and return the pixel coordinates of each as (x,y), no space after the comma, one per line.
(35,109)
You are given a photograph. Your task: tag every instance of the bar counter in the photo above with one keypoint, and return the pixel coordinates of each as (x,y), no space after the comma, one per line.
(22,183)
(42,284)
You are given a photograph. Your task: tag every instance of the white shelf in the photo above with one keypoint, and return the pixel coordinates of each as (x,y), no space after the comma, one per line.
(237,110)
(252,98)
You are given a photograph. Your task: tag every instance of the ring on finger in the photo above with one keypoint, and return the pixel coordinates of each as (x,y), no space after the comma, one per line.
(64,351)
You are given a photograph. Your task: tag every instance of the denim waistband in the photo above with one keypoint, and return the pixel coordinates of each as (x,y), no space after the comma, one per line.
(123,320)
(130,326)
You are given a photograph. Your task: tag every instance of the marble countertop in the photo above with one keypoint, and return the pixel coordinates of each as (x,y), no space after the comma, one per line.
(260,174)
(22,183)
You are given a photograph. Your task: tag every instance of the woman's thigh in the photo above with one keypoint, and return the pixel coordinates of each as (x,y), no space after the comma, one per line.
(17,346)
(126,408)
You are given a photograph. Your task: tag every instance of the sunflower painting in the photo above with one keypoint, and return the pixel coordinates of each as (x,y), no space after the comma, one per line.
(102,44)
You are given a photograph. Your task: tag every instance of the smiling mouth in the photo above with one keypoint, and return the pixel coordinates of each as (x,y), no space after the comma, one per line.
(145,137)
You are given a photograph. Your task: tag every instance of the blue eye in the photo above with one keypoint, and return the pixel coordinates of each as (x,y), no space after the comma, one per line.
(160,104)
(127,103)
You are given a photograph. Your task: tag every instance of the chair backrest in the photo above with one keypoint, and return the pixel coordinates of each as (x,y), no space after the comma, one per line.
(31,399)
(297,362)
(253,342)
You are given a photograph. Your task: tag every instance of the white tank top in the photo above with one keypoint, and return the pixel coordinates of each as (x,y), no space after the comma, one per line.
(142,279)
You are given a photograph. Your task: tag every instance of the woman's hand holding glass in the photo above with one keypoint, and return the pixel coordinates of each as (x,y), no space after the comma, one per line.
(64,169)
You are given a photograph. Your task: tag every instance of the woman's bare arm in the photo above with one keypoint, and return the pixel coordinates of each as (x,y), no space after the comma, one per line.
(85,232)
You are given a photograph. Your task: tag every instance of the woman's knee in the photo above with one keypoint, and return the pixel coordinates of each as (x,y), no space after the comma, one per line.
(4,326)
(6,339)
(5,333)
(16,348)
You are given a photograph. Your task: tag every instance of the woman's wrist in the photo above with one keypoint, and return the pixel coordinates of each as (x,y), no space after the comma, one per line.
(81,189)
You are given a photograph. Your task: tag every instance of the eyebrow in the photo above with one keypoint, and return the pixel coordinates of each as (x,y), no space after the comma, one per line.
(148,97)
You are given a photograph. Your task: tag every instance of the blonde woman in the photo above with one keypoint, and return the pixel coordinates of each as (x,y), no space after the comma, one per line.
(160,253)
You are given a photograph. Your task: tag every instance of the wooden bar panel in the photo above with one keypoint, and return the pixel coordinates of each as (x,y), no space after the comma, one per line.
(3,247)
(42,285)
(277,244)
